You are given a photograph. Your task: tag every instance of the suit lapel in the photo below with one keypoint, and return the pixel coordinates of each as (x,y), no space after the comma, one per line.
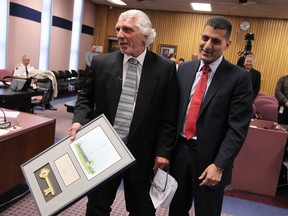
(189,79)
(218,79)
(146,90)
(114,83)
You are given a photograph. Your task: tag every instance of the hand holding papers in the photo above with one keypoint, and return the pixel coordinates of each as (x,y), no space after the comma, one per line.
(163,188)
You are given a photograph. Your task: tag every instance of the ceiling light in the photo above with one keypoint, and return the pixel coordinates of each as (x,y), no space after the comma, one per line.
(201,6)
(117,2)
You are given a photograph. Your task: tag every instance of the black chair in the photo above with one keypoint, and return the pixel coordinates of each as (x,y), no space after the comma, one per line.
(70,105)
(74,73)
(68,74)
(81,78)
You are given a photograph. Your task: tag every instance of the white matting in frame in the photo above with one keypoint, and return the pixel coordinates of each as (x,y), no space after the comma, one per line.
(68,170)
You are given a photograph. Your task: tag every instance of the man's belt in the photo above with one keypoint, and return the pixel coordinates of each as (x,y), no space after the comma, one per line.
(193,144)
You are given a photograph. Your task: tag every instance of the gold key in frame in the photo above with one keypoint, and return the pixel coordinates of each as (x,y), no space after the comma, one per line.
(44,174)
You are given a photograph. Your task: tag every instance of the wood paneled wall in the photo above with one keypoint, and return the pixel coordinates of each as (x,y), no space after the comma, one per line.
(184,30)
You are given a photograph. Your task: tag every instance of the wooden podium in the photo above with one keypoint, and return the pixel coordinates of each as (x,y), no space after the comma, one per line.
(36,133)
(257,167)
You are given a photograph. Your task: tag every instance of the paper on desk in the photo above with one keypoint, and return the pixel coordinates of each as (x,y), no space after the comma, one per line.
(12,114)
(3,132)
(158,196)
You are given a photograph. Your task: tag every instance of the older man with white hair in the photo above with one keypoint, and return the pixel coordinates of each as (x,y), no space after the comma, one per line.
(145,118)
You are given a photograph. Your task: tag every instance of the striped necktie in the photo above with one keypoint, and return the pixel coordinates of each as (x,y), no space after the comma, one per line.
(127,101)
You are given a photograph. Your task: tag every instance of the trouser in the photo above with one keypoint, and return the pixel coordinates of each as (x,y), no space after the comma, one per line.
(283,114)
(138,201)
(184,167)
(46,84)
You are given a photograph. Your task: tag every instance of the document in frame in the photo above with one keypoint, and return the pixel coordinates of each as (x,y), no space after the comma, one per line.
(94,157)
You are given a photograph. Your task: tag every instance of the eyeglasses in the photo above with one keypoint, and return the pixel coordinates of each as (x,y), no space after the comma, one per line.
(159,188)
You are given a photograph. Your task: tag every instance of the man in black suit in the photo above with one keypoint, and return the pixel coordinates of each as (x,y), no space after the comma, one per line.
(255,74)
(202,165)
(152,132)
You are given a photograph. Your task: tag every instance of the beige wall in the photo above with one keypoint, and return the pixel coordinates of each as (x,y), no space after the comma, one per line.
(184,29)
(60,39)
(24,35)
(86,40)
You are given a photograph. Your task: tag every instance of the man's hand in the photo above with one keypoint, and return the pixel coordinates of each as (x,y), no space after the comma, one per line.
(211,176)
(160,162)
(73,130)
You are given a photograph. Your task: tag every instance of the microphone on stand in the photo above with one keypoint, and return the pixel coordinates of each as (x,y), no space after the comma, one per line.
(5,124)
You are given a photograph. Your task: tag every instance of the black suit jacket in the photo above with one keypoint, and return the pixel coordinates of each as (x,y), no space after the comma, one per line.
(224,116)
(256,81)
(153,127)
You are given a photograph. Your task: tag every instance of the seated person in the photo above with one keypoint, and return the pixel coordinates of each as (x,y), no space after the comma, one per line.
(23,69)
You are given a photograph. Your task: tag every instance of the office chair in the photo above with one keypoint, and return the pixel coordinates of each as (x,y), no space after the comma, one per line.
(273,98)
(259,102)
(269,112)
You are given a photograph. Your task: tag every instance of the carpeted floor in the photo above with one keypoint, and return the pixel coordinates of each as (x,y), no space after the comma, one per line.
(27,207)
(63,118)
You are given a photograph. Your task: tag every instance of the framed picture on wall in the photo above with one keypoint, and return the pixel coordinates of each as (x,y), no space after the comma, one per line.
(165,49)
(112,44)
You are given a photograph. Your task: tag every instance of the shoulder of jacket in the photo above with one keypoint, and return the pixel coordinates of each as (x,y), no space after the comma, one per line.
(256,71)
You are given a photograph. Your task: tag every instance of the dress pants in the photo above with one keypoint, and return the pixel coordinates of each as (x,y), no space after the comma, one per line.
(283,116)
(48,94)
(184,167)
(138,201)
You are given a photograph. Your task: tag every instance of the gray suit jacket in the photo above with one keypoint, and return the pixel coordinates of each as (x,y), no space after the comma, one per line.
(153,127)
(224,116)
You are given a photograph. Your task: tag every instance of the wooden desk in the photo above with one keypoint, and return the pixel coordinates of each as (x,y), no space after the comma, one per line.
(18,100)
(16,147)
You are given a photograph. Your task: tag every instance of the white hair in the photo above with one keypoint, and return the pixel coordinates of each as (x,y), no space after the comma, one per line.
(142,22)
(250,56)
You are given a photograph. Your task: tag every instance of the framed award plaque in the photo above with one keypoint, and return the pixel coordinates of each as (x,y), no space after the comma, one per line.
(68,170)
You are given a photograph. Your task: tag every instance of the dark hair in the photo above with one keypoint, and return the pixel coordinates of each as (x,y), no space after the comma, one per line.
(172,55)
(219,22)
(181,59)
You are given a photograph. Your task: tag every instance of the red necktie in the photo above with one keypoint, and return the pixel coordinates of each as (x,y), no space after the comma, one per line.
(192,116)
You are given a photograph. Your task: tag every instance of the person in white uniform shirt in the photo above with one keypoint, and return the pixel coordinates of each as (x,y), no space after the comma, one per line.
(23,69)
